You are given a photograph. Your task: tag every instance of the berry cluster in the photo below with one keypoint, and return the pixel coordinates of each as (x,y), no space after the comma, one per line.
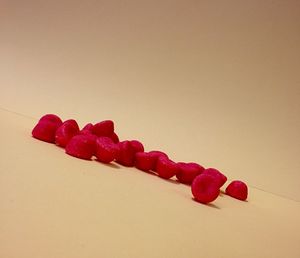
(101,141)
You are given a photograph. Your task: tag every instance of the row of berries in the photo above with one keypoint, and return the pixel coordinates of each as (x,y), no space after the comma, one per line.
(101,141)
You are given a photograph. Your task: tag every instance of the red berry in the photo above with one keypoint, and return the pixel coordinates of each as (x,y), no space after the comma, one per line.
(45,131)
(115,138)
(51,118)
(137,146)
(87,129)
(126,154)
(220,178)
(65,132)
(205,188)
(237,189)
(106,150)
(155,155)
(166,168)
(82,146)
(104,128)
(144,161)
(188,171)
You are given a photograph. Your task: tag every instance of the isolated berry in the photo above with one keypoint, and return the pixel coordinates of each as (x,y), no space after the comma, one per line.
(126,155)
(144,161)
(82,146)
(51,118)
(106,150)
(188,171)
(65,132)
(166,168)
(205,188)
(45,131)
(219,177)
(237,189)
(104,128)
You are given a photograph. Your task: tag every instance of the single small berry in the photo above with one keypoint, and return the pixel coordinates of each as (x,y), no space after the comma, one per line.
(65,132)
(115,138)
(155,154)
(104,128)
(205,188)
(45,131)
(82,146)
(51,118)
(137,146)
(106,150)
(166,168)
(188,171)
(220,177)
(237,189)
(88,127)
(144,161)
(126,154)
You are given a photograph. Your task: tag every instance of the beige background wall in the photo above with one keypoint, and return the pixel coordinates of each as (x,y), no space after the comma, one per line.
(220,79)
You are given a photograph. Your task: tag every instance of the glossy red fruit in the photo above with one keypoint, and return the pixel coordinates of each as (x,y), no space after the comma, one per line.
(106,150)
(51,118)
(126,155)
(87,129)
(155,155)
(45,131)
(205,188)
(220,178)
(82,146)
(137,146)
(65,132)
(144,161)
(188,171)
(166,168)
(115,138)
(237,189)
(104,128)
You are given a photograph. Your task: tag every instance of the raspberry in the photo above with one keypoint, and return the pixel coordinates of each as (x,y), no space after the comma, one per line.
(87,129)
(115,138)
(188,171)
(237,189)
(137,146)
(106,150)
(205,188)
(46,127)
(220,178)
(104,128)
(51,118)
(65,132)
(82,146)
(144,161)
(155,155)
(45,131)
(126,154)
(166,168)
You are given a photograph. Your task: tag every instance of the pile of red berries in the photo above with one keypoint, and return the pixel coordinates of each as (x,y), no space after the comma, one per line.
(101,141)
